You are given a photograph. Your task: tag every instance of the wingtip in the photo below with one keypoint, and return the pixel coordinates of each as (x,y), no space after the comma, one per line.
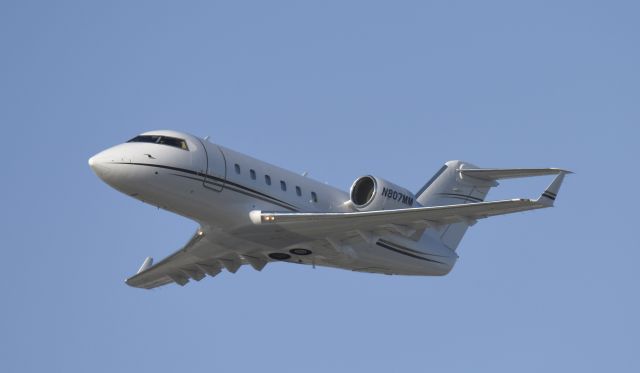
(558,171)
(128,282)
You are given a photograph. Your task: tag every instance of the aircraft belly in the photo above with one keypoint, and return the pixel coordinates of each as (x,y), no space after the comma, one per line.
(398,261)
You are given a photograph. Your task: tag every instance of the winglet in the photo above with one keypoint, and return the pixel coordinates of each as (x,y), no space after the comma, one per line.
(549,196)
(146,264)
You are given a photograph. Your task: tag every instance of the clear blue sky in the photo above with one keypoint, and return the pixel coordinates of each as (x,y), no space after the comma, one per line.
(338,89)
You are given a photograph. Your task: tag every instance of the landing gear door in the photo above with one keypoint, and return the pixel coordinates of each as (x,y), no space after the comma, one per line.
(214,167)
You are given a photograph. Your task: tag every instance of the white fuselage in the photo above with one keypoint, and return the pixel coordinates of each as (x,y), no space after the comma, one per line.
(219,187)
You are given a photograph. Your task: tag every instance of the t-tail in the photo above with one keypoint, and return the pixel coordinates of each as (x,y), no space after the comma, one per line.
(459,182)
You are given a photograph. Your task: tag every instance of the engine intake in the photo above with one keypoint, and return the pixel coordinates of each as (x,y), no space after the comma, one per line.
(370,193)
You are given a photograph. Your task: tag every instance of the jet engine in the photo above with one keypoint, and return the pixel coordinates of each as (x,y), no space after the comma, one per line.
(370,193)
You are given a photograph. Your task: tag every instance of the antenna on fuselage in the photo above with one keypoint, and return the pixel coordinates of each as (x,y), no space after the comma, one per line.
(206,138)
(305,173)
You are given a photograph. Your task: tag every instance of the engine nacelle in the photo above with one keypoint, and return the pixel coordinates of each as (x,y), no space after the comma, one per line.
(370,193)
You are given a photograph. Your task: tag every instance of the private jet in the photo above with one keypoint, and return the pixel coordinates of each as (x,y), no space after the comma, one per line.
(253,213)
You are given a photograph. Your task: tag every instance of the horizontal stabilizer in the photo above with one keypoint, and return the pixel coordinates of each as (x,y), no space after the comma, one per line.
(492,174)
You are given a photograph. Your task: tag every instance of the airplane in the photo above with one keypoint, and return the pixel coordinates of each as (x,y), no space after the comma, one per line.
(253,213)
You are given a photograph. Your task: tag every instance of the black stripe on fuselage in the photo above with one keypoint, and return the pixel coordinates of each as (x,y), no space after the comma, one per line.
(231,188)
(462,196)
(397,250)
(225,183)
(406,248)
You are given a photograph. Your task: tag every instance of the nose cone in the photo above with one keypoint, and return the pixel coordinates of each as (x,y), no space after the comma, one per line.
(114,167)
(105,165)
(98,165)
(92,162)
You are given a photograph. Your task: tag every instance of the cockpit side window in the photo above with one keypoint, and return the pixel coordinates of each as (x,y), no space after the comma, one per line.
(164,140)
(145,138)
(172,141)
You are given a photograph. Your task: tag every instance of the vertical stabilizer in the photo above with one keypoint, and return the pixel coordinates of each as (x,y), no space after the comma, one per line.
(459,182)
(451,187)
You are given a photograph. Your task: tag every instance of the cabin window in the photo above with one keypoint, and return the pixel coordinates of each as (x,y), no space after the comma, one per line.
(283,186)
(267,179)
(237,167)
(314,197)
(163,140)
(253,174)
(298,191)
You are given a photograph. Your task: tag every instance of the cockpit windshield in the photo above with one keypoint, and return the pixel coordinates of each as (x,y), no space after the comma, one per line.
(164,140)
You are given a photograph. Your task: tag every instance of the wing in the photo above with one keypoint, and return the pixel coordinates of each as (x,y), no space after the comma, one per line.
(318,225)
(208,252)
(204,254)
